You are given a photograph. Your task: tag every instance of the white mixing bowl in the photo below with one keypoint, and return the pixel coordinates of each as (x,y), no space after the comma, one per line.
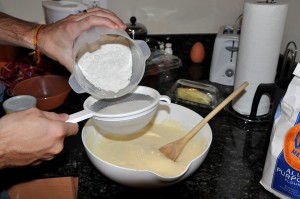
(143,178)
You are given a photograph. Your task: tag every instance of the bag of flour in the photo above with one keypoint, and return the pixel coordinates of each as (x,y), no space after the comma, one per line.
(281,175)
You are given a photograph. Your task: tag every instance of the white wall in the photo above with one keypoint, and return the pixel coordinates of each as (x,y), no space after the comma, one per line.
(292,26)
(178,16)
(160,16)
(169,16)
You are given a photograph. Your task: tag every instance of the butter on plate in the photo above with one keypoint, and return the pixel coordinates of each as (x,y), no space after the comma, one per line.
(193,95)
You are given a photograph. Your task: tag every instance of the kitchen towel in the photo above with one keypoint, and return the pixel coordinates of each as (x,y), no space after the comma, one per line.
(259,49)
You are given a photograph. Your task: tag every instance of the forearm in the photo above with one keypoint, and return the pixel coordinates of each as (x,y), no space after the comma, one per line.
(16,32)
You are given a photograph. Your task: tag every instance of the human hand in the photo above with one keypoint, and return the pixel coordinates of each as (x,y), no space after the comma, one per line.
(56,40)
(32,136)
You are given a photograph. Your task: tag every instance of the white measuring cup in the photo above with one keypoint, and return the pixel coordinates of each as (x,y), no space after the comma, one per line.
(91,40)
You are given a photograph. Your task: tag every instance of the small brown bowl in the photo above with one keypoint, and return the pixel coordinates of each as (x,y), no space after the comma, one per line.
(49,90)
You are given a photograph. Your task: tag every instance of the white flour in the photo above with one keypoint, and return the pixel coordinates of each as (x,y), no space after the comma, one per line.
(109,68)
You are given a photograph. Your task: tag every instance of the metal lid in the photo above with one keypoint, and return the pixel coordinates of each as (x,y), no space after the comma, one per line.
(136,30)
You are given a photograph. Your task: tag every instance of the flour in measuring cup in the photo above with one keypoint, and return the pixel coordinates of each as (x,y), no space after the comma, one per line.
(109,68)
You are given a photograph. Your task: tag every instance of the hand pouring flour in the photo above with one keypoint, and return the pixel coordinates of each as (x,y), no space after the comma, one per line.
(108,63)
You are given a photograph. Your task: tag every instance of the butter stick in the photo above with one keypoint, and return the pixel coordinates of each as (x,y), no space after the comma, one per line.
(193,95)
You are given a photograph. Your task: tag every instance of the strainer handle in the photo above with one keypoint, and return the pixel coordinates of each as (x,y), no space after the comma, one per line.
(80,116)
(165,98)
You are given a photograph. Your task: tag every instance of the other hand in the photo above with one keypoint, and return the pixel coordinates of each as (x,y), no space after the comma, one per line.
(56,40)
(31,136)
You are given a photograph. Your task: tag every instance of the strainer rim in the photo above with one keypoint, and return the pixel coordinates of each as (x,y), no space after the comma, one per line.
(90,100)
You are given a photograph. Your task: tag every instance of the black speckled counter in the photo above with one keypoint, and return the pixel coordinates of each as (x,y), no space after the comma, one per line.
(232,169)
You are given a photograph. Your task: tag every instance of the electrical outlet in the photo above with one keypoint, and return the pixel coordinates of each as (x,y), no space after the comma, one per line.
(94,3)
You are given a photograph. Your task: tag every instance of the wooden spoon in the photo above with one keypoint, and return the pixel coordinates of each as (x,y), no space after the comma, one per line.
(173,149)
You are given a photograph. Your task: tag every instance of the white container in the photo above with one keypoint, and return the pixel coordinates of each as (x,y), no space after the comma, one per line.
(19,103)
(56,10)
(90,41)
(168,49)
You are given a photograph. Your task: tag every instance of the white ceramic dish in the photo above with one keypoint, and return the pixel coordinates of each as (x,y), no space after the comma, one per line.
(144,178)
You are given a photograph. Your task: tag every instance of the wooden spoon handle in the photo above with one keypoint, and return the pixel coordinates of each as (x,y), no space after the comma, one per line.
(215,111)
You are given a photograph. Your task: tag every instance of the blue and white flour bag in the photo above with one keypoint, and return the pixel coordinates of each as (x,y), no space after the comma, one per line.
(281,175)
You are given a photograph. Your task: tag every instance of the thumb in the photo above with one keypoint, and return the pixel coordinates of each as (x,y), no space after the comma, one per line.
(72,128)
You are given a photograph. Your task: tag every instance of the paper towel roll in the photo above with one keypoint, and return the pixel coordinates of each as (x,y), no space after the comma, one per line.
(259,49)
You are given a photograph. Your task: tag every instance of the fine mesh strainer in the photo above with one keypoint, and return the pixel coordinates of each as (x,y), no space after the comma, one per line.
(122,115)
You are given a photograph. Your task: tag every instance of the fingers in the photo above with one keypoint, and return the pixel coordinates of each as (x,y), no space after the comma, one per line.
(100,17)
(95,9)
(55,116)
(39,161)
(72,128)
(69,128)
(57,39)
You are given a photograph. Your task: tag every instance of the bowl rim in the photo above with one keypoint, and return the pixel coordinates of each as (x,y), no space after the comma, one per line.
(68,89)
